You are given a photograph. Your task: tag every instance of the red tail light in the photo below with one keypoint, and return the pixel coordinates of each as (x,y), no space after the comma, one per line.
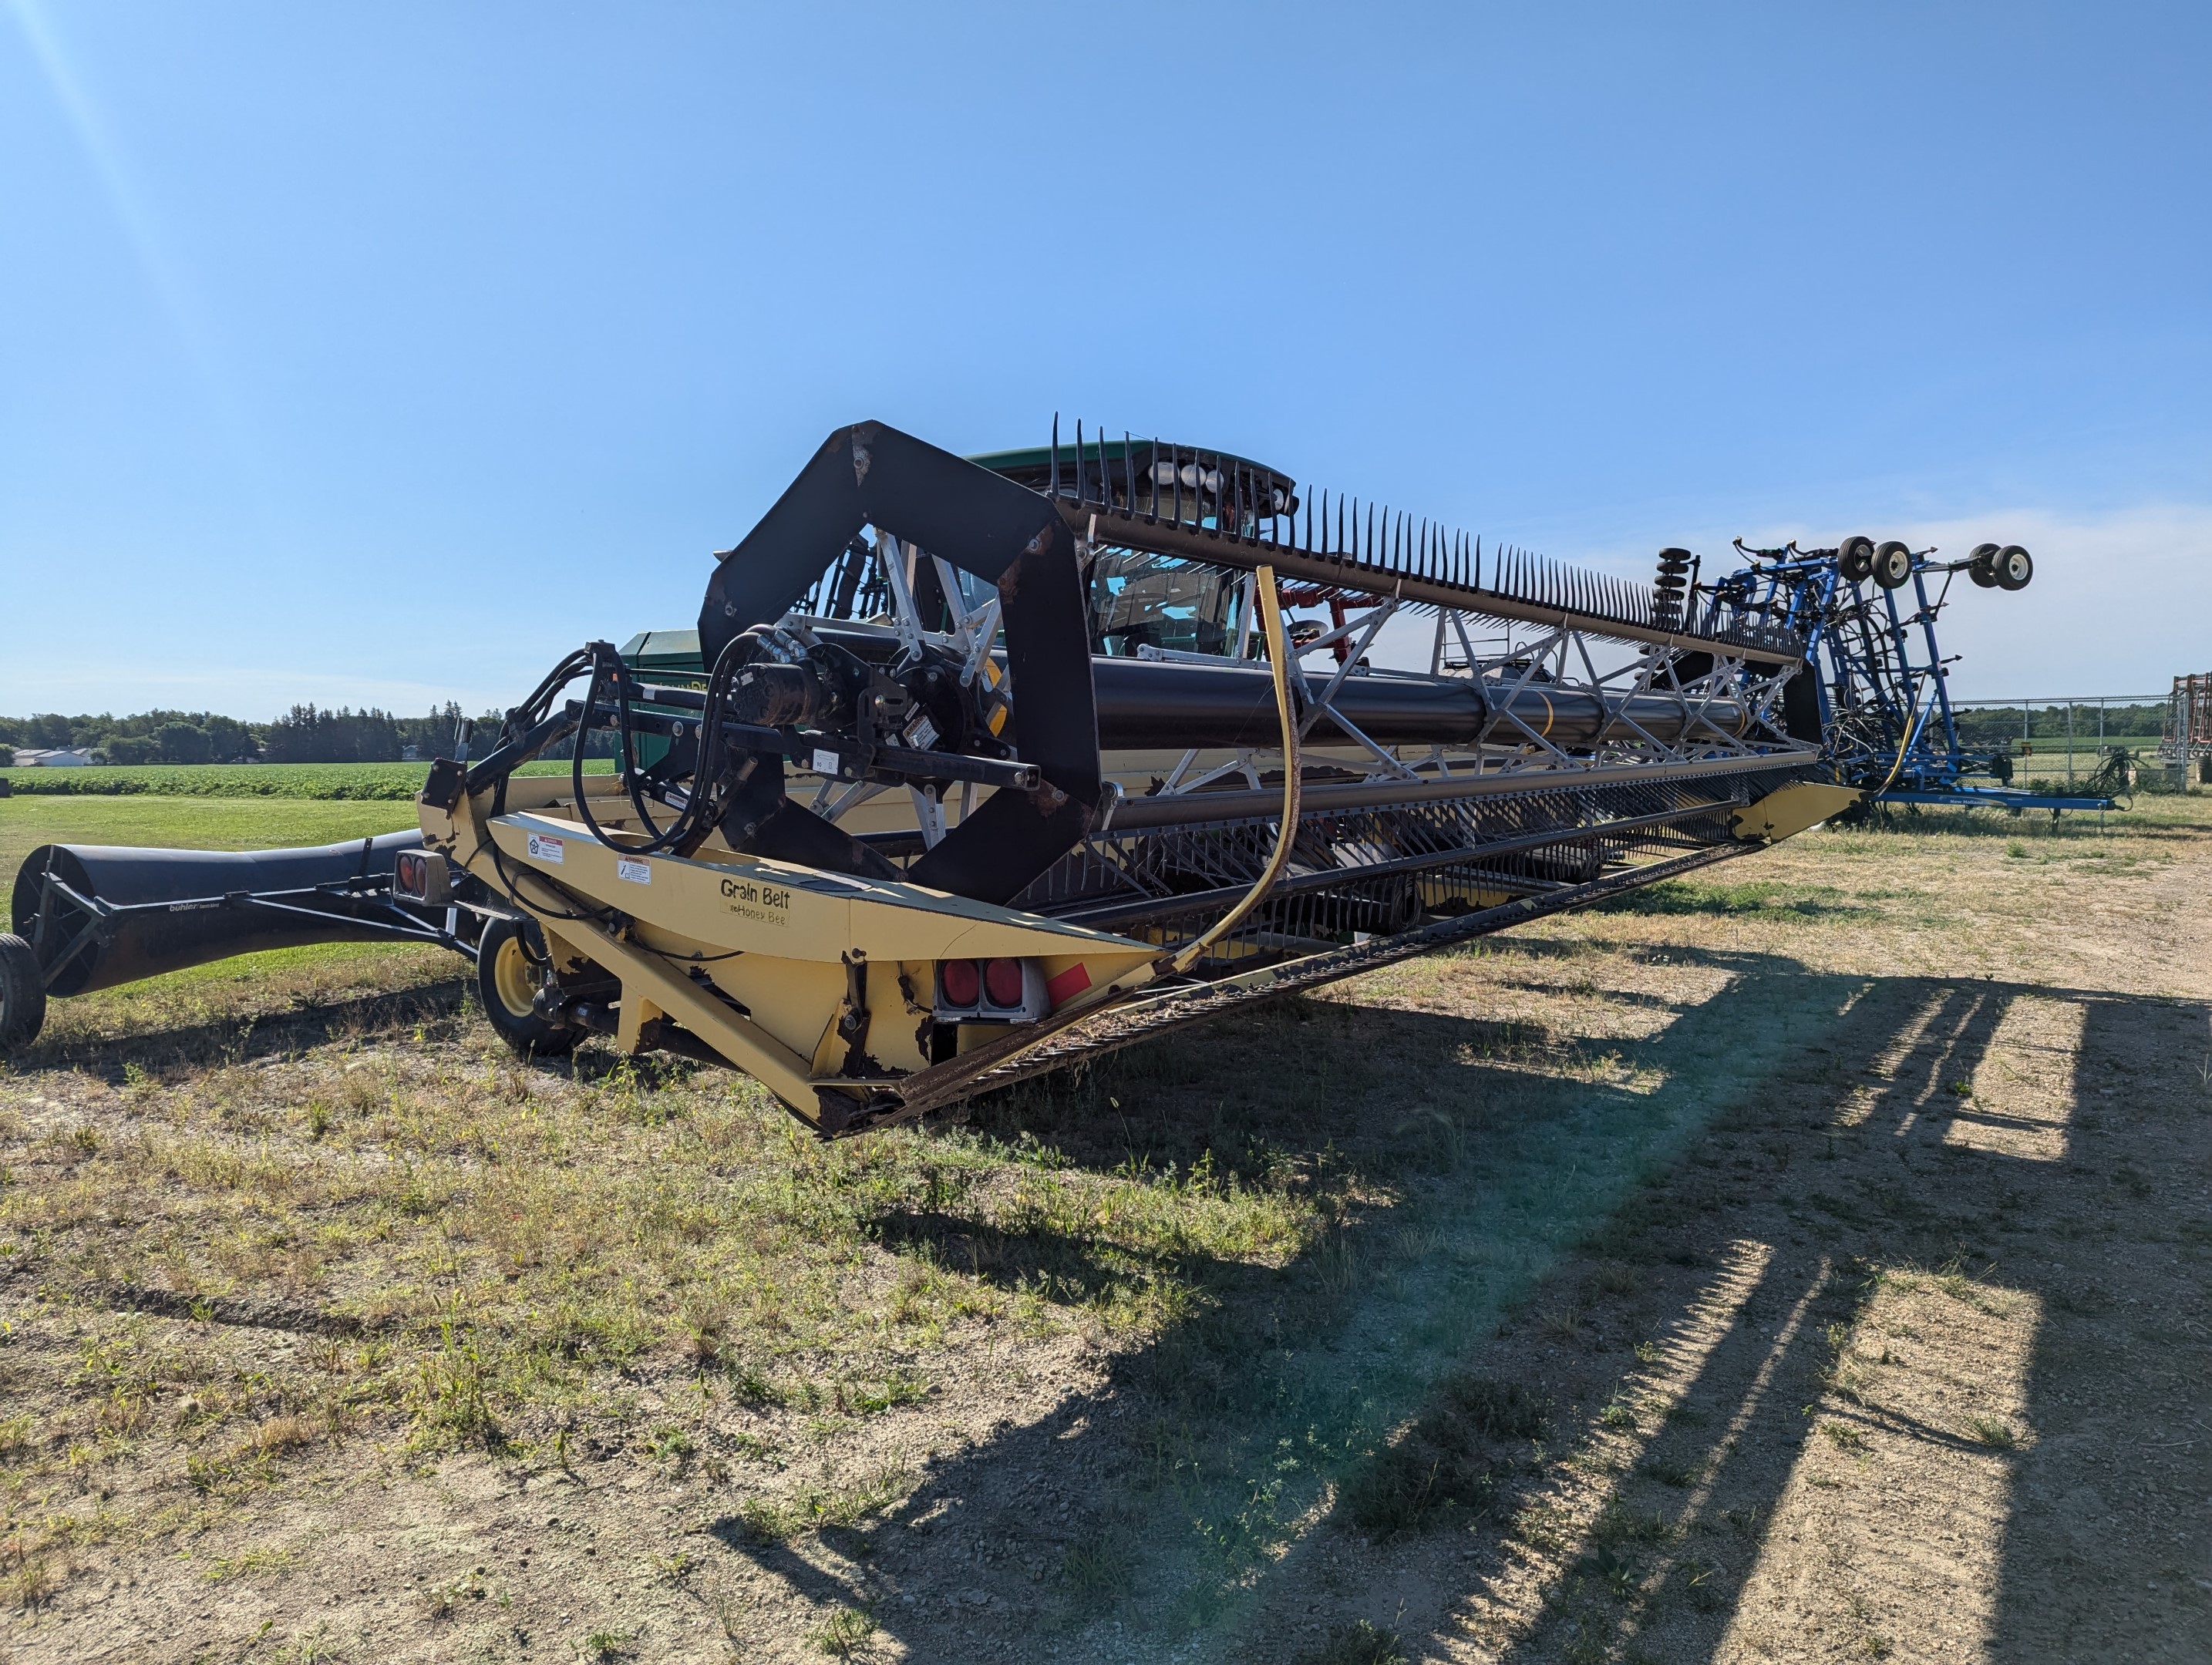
(958,983)
(998,991)
(1002,981)
(422,876)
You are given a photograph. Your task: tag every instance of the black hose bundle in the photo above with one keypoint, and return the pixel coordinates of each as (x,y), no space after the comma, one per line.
(703,806)
(532,711)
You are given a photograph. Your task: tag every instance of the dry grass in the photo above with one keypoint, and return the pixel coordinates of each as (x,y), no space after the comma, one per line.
(272,1281)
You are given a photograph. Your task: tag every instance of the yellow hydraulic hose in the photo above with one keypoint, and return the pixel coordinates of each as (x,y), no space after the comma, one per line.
(1278,661)
(1911,733)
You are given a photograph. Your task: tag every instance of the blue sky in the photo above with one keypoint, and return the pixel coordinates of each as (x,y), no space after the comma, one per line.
(385,353)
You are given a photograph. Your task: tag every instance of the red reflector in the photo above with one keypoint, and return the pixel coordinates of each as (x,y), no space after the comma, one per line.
(1002,981)
(1069,984)
(957,983)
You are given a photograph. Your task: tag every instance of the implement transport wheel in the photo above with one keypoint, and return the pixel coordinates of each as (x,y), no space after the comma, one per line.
(508,978)
(1893,566)
(1855,558)
(22,994)
(2014,568)
(1982,566)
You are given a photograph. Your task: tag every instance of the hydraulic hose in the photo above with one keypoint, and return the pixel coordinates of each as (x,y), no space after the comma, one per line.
(1911,733)
(1286,831)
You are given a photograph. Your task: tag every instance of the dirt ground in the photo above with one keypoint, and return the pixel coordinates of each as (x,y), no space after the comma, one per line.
(1808,1263)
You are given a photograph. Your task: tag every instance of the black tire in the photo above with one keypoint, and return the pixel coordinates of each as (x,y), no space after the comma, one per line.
(1981,565)
(22,994)
(1855,558)
(508,975)
(2014,568)
(1893,566)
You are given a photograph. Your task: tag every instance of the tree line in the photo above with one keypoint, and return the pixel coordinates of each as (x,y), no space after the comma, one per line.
(1983,728)
(317,734)
(305,734)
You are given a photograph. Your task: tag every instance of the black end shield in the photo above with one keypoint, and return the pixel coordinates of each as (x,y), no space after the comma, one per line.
(983,523)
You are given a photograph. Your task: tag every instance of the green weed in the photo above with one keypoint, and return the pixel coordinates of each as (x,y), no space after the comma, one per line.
(778,1520)
(1357,1644)
(1098,1569)
(1450,1460)
(844,1633)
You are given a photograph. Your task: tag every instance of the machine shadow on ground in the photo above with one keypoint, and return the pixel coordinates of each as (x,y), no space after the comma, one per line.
(1298,1455)
(1731,1496)
(233,1040)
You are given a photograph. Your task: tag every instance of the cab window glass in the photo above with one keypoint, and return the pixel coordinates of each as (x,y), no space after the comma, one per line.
(1156,600)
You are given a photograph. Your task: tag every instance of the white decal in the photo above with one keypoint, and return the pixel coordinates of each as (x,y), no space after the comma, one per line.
(542,848)
(923,734)
(825,762)
(637,872)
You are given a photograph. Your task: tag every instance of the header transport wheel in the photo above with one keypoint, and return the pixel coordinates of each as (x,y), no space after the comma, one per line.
(22,994)
(1893,565)
(507,981)
(2014,568)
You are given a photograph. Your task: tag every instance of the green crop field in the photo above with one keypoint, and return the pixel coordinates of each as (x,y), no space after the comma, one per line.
(388,781)
(226,807)
(197,823)
(231,989)
(372,782)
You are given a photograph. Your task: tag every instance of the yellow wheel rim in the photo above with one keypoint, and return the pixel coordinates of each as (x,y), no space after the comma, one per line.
(514,977)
